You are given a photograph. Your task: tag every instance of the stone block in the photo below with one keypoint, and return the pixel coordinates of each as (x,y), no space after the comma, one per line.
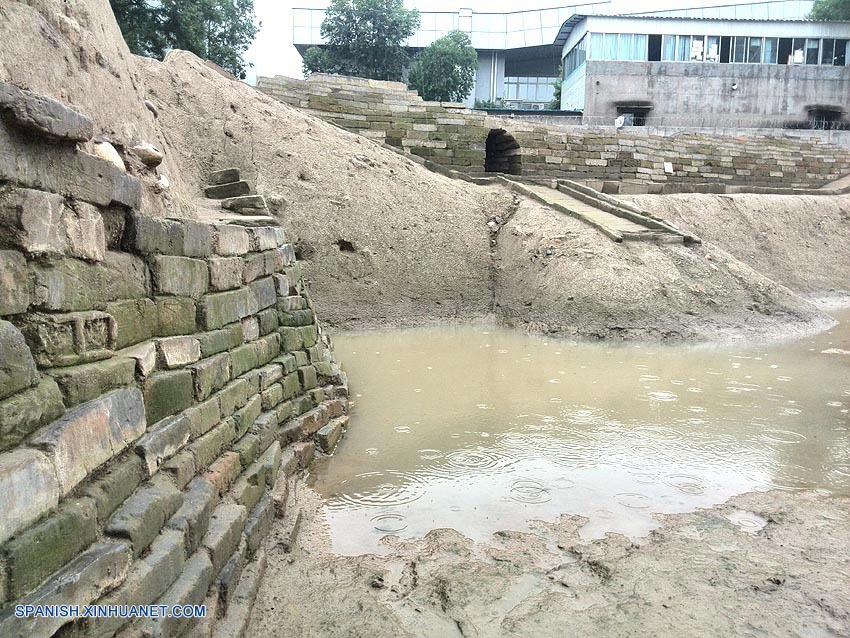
(208,447)
(245,417)
(288,362)
(153,236)
(189,589)
(15,283)
(66,170)
(84,231)
(270,375)
(163,441)
(225,273)
(224,176)
(217,341)
(100,569)
(219,309)
(328,436)
(28,489)
(17,367)
(193,518)
(250,329)
(115,486)
(310,335)
(245,204)
(228,580)
(234,396)
(147,580)
(259,524)
(136,320)
(177,316)
(145,513)
(204,416)
(264,238)
(224,534)
(210,375)
(281,283)
(247,448)
(268,321)
(168,393)
(268,348)
(292,339)
(197,239)
(177,352)
(44,116)
(244,358)
(291,303)
(181,468)
(180,276)
(32,222)
(223,471)
(70,339)
(223,191)
(308,378)
(88,381)
(264,291)
(272,396)
(291,386)
(231,240)
(258,265)
(144,355)
(297,318)
(91,434)
(39,551)
(25,412)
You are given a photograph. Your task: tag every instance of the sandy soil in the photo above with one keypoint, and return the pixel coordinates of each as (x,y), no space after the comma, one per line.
(698,574)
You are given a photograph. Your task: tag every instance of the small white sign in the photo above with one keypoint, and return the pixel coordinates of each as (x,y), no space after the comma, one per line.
(668,168)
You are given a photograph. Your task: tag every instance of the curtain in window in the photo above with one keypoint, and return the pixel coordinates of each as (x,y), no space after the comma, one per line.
(771,50)
(596,48)
(625,48)
(683,50)
(638,51)
(610,46)
(668,48)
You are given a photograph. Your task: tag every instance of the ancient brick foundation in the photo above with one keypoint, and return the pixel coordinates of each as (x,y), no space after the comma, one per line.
(454,137)
(160,381)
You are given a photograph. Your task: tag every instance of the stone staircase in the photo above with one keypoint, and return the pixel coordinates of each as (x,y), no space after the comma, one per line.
(615,219)
(233,194)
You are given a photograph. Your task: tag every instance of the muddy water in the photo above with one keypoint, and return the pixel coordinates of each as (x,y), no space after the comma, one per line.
(482,429)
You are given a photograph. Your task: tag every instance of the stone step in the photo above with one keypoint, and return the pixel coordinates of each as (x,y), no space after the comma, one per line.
(245,202)
(224,176)
(230,189)
(329,436)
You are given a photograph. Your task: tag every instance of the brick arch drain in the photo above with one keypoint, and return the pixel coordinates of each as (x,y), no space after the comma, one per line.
(503,153)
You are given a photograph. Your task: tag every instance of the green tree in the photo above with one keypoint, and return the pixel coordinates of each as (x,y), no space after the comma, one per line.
(365,38)
(217,30)
(445,70)
(555,104)
(831,10)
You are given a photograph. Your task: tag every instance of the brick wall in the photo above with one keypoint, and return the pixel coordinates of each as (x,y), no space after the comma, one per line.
(160,381)
(455,137)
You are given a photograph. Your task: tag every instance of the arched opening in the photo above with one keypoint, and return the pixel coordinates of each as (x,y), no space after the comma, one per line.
(504,154)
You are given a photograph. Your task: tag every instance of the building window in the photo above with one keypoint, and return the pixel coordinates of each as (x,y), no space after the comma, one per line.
(771,50)
(529,89)
(739,50)
(812,51)
(668,48)
(712,48)
(576,57)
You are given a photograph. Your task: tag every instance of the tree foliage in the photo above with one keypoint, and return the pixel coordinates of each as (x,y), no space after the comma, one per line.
(555,104)
(831,10)
(445,70)
(217,30)
(365,38)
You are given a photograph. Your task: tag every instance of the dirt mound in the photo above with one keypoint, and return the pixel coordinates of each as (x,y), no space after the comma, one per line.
(559,275)
(801,241)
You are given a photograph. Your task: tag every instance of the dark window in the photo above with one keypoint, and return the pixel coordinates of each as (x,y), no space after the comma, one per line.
(725,48)
(840,53)
(654,48)
(812,51)
(824,119)
(828,51)
(785,48)
(634,115)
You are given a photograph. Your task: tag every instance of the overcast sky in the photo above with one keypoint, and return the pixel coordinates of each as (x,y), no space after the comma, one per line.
(273,53)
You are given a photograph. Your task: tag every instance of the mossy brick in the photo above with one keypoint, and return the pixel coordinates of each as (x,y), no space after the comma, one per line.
(193,518)
(41,550)
(292,339)
(234,396)
(288,362)
(308,378)
(264,291)
(208,447)
(162,441)
(265,428)
(316,353)
(247,448)
(297,318)
(180,276)
(291,385)
(253,379)
(283,412)
(180,468)
(231,240)
(226,273)
(136,320)
(148,579)
(89,381)
(326,369)
(69,285)
(270,374)
(168,393)
(259,524)
(177,316)
(245,417)
(114,486)
(317,395)
(211,375)
(25,412)
(310,335)
(268,321)
(197,239)
(223,471)
(244,358)
(17,367)
(258,265)
(302,404)
(272,396)
(15,283)
(214,342)
(301,359)
(144,514)
(268,348)
(224,533)
(216,310)
(230,576)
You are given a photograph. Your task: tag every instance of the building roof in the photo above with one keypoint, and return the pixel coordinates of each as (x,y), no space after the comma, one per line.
(569,26)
